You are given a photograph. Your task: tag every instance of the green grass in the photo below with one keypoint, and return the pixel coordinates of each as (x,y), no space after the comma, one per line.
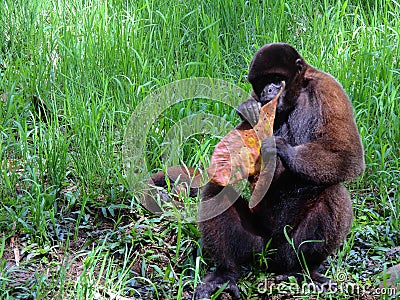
(67,214)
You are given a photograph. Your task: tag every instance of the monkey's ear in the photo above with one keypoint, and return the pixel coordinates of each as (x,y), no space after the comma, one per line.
(299,64)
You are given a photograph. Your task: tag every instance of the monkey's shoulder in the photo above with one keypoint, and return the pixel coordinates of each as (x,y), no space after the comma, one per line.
(323,80)
(324,88)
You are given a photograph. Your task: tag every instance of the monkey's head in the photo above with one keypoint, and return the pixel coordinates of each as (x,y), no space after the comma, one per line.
(271,65)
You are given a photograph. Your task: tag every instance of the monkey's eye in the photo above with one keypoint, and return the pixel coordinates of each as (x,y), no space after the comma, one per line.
(276,79)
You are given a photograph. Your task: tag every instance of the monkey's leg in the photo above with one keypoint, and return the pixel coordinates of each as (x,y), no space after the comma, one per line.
(322,226)
(230,238)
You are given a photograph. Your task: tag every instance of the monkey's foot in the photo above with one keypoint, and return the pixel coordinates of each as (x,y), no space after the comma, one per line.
(323,283)
(206,289)
(320,282)
(216,280)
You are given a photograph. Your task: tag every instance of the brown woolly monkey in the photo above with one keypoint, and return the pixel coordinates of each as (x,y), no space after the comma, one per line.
(317,147)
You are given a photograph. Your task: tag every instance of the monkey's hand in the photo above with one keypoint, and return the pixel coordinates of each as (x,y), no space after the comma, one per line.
(277,145)
(268,148)
(249,111)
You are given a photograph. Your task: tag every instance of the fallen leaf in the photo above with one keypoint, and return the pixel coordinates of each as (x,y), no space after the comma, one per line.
(237,155)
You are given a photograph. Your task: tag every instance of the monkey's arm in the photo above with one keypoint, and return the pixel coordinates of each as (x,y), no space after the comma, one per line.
(334,152)
(334,156)
(322,162)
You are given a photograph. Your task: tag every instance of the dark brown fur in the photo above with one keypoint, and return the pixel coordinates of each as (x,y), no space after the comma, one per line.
(318,147)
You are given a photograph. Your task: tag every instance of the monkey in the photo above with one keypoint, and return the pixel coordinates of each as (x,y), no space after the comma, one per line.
(306,212)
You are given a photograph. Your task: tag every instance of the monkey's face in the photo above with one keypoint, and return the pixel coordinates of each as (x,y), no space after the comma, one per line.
(270,91)
(271,65)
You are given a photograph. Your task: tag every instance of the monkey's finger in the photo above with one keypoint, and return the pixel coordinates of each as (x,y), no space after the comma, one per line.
(254,113)
(268,148)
